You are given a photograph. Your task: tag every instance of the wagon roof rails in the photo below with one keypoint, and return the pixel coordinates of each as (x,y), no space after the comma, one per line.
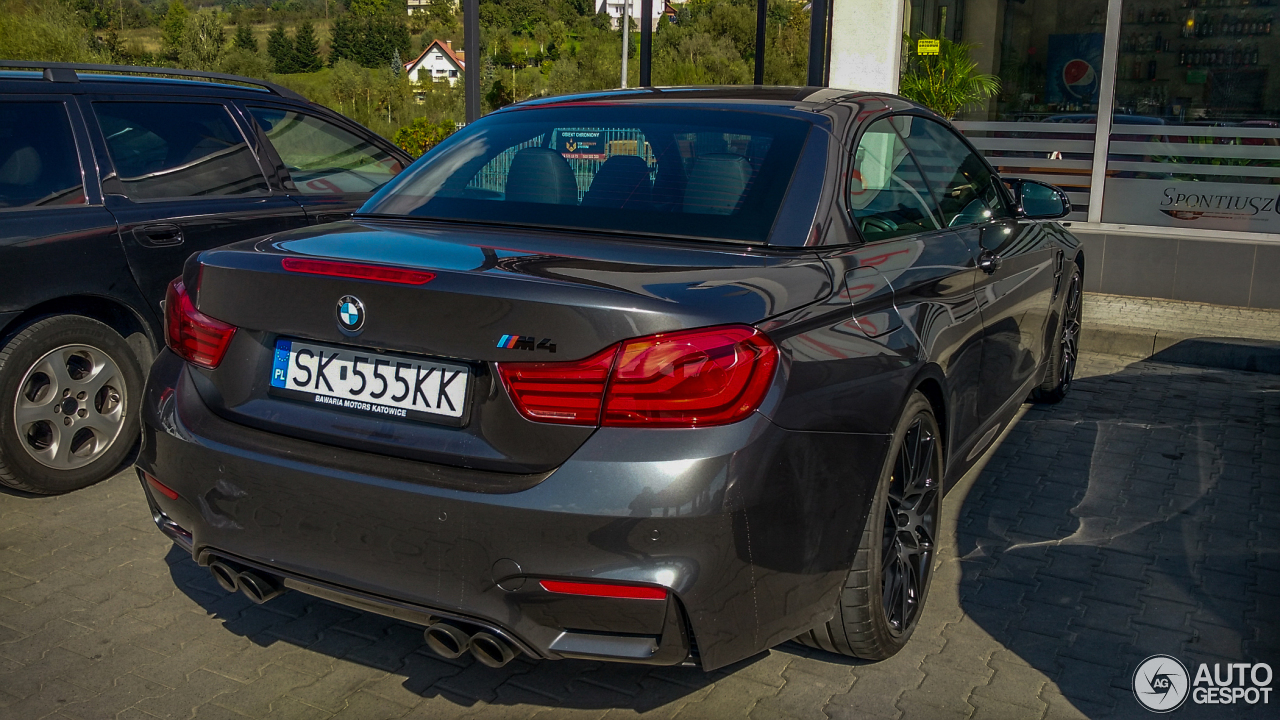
(66,73)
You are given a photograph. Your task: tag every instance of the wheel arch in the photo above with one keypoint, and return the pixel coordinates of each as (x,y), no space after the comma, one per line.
(140,334)
(931,382)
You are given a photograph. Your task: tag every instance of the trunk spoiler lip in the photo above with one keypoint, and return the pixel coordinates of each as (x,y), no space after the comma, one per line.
(682,241)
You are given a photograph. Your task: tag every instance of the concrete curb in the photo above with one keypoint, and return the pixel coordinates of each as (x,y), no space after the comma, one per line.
(1181,348)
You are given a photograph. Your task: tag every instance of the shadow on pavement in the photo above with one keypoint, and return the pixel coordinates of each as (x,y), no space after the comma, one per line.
(395,647)
(1139,517)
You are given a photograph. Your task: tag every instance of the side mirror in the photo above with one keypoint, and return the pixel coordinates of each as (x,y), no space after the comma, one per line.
(1038,201)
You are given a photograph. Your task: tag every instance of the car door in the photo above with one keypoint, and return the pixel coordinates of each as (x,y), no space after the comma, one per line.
(56,238)
(329,169)
(930,269)
(182,178)
(1017,260)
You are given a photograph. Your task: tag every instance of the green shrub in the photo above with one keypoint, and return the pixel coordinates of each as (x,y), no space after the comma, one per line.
(421,135)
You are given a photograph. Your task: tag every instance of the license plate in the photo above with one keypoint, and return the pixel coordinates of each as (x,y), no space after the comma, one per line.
(370,382)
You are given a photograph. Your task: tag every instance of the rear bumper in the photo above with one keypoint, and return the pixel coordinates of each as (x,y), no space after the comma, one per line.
(750,527)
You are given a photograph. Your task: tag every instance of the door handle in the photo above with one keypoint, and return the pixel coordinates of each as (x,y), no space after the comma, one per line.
(988,262)
(160,235)
(332,217)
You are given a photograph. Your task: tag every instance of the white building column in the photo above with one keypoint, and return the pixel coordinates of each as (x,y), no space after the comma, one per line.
(866,44)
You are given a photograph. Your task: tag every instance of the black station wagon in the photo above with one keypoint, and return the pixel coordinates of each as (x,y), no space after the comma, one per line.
(109,179)
(657,376)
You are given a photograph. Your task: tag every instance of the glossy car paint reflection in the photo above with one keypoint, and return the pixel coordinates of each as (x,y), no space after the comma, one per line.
(751,525)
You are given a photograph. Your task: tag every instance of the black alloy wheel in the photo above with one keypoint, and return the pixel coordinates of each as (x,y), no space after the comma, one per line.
(884,593)
(1065,350)
(910,528)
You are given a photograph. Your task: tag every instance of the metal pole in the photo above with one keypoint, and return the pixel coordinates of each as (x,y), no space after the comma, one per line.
(471,38)
(646,43)
(819,10)
(1106,102)
(762,17)
(626,38)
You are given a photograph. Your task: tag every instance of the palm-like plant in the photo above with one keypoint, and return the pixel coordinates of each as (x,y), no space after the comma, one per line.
(947,82)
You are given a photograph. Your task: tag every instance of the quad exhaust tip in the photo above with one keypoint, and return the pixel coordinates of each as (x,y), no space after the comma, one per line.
(258,588)
(450,641)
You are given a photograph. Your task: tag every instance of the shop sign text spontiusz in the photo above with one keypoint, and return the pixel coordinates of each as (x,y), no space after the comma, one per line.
(1212,206)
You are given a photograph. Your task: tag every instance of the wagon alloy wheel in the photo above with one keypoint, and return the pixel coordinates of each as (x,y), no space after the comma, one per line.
(1070,338)
(69,388)
(70,406)
(910,528)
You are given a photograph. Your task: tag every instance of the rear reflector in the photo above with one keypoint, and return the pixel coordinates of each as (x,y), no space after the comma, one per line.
(194,336)
(559,392)
(692,378)
(632,592)
(358,271)
(160,487)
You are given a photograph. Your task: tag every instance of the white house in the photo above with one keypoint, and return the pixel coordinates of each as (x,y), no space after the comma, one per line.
(422,6)
(614,8)
(437,62)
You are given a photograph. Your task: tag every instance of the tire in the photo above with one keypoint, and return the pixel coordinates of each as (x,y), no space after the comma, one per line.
(70,388)
(1061,369)
(885,591)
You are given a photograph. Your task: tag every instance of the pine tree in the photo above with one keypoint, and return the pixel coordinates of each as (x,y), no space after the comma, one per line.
(342,44)
(306,49)
(280,48)
(245,39)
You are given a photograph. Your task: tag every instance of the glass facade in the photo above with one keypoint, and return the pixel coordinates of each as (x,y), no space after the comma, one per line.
(1190,90)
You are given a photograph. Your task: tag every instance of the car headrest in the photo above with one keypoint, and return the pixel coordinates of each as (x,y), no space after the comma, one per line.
(716,184)
(22,167)
(541,175)
(621,182)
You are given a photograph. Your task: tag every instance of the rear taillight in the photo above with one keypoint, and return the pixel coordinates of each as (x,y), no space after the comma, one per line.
(194,336)
(559,392)
(692,378)
(710,376)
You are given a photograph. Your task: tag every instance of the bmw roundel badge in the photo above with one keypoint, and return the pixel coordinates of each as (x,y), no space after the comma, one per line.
(350,312)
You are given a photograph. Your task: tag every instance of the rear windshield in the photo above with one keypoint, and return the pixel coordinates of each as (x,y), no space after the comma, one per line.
(712,174)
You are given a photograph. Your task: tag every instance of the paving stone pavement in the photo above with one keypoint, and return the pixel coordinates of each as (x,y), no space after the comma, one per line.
(1141,516)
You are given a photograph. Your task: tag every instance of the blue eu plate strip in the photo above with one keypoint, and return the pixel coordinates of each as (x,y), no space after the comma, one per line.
(280,364)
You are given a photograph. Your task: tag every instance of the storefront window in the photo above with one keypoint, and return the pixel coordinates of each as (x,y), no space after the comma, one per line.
(1195,141)
(1048,56)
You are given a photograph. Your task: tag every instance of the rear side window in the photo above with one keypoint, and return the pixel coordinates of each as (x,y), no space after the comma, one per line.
(322,158)
(657,170)
(965,187)
(887,194)
(38,162)
(174,150)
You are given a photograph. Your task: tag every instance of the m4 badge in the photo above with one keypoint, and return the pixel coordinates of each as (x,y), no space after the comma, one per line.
(526,342)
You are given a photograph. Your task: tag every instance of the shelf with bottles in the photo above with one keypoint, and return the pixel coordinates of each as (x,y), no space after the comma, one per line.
(1219,57)
(1202,25)
(1193,4)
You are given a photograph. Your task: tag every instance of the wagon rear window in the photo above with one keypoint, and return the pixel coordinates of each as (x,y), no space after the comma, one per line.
(656,170)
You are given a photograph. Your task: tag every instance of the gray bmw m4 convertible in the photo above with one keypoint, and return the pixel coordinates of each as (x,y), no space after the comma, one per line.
(657,376)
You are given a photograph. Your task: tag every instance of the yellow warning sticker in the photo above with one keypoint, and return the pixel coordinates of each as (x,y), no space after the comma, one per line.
(925,46)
